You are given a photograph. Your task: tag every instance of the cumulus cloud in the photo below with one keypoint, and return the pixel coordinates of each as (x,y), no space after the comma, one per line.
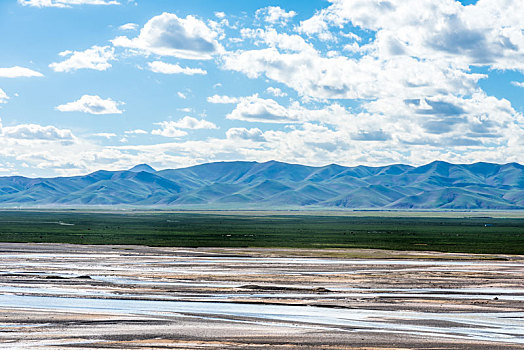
(426,56)
(128,26)
(487,33)
(168,68)
(3,96)
(106,135)
(370,135)
(217,99)
(256,109)
(393,133)
(92,104)
(253,134)
(275,14)
(97,58)
(168,129)
(274,39)
(136,132)
(19,72)
(518,83)
(172,128)
(169,35)
(445,124)
(65,3)
(310,143)
(318,77)
(36,132)
(407,69)
(275,92)
(192,123)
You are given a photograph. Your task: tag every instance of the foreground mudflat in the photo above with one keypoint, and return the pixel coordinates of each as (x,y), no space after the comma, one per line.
(70,296)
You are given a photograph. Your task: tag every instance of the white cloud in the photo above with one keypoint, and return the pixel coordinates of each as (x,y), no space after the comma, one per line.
(518,83)
(192,123)
(106,135)
(136,132)
(351,36)
(487,33)
(217,99)
(416,96)
(19,72)
(65,3)
(275,92)
(168,68)
(481,128)
(181,95)
(97,58)
(168,129)
(3,96)
(275,14)
(444,124)
(169,35)
(408,57)
(36,132)
(387,131)
(307,143)
(339,77)
(255,109)
(92,104)
(220,14)
(283,41)
(128,26)
(253,134)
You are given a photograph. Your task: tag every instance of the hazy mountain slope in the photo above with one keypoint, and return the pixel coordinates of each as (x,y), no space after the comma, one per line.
(205,174)
(437,185)
(452,198)
(142,167)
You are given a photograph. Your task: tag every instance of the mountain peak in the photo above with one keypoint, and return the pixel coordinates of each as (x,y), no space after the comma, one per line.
(142,167)
(441,163)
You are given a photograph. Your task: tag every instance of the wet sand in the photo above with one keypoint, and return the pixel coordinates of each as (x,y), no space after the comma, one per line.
(60,296)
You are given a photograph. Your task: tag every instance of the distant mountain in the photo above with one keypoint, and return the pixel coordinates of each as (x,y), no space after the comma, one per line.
(142,167)
(277,185)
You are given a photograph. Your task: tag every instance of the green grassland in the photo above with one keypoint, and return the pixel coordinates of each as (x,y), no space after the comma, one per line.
(188,229)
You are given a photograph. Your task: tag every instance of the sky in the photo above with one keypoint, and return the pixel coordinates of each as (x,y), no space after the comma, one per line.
(108,84)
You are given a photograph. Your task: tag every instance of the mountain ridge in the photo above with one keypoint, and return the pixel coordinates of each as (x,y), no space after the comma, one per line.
(277,185)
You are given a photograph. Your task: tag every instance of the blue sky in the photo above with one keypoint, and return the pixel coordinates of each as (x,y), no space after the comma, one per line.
(107,84)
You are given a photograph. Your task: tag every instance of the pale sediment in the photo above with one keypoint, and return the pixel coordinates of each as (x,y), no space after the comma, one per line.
(67,296)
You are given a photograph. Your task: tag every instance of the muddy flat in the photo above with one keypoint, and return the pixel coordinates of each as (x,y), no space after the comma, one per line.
(60,296)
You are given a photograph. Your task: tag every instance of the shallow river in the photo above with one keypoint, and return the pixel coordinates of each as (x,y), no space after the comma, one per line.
(500,326)
(61,295)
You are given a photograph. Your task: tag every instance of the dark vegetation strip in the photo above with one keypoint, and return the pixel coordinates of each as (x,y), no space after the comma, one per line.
(468,235)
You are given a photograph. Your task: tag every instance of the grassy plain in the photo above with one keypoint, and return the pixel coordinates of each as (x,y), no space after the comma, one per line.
(468,234)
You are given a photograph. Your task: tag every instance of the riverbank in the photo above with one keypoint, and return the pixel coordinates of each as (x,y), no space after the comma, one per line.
(71,296)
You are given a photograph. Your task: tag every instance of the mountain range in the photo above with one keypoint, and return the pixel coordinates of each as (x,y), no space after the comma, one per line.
(277,185)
